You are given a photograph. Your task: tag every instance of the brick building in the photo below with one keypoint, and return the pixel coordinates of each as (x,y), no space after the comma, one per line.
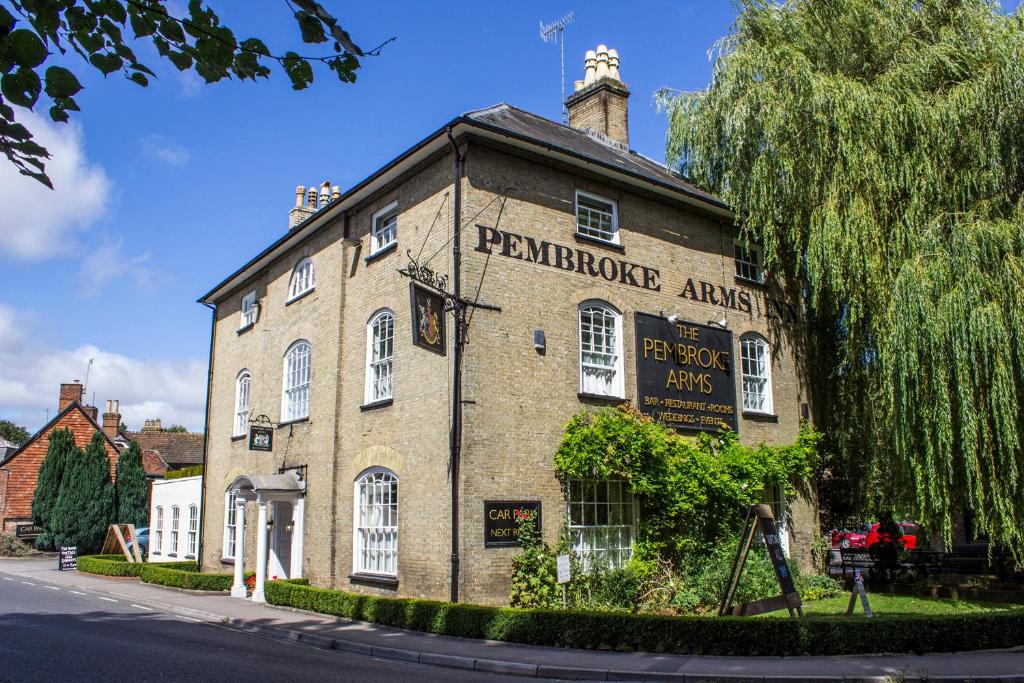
(586,264)
(19,472)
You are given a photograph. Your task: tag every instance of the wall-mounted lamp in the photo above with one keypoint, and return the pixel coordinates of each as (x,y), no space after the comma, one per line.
(539,342)
(720,322)
(673,317)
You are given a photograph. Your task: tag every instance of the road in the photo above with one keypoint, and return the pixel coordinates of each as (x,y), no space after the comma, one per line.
(53,632)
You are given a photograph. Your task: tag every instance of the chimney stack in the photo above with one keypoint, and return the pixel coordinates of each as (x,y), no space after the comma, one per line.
(152,426)
(70,393)
(598,106)
(308,202)
(112,419)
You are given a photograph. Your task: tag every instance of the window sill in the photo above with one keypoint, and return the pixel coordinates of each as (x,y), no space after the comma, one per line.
(377,580)
(583,396)
(190,557)
(759,416)
(381,252)
(580,237)
(289,423)
(238,438)
(227,560)
(300,296)
(376,404)
(245,328)
(172,554)
(753,283)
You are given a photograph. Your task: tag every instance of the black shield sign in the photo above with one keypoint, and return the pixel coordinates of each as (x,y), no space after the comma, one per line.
(261,438)
(684,373)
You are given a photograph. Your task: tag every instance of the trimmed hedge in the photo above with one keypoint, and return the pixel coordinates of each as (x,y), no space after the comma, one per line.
(186,578)
(654,633)
(193,471)
(117,565)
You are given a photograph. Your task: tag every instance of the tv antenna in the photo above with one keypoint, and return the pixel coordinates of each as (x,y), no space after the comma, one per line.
(87,369)
(555,31)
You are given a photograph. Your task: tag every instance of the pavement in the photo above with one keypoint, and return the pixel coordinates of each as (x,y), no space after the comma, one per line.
(489,657)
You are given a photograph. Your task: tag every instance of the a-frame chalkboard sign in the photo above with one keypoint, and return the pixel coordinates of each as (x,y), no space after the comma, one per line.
(761,517)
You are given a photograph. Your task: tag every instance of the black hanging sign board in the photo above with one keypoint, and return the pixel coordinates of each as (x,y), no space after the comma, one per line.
(500,517)
(760,517)
(261,438)
(67,560)
(428,329)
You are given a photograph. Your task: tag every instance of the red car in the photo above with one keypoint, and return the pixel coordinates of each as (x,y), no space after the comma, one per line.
(850,539)
(908,541)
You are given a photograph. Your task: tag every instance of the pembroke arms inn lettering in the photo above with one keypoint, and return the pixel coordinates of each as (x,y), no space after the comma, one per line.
(584,262)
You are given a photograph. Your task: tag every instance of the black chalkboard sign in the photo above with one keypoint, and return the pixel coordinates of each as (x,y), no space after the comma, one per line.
(67,560)
(500,518)
(770,535)
(759,517)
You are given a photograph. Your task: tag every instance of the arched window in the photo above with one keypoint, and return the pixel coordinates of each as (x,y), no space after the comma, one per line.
(757,374)
(175,518)
(159,545)
(193,531)
(303,279)
(375,549)
(600,349)
(380,348)
(242,403)
(298,375)
(229,524)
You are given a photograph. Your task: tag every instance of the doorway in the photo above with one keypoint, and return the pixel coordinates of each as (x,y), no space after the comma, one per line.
(280,552)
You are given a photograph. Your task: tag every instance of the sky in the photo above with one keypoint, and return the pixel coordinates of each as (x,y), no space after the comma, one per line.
(162,192)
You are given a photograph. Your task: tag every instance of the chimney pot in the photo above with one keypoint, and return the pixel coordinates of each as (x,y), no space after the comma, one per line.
(311,198)
(599,103)
(335,193)
(613,65)
(590,67)
(300,192)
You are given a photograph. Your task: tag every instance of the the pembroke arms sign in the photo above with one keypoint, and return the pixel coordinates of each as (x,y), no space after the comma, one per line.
(684,373)
(623,272)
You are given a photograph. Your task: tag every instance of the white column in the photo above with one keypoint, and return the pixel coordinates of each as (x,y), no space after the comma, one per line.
(261,553)
(238,587)
(298,523)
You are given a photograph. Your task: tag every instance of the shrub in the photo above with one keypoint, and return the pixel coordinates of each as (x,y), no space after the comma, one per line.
(85,504)
(817,586)
(534,572)
(705,579)
(185,578)
(654,633)
(117,565)
(60,447)
(192,471)
(132,492)
(12,546)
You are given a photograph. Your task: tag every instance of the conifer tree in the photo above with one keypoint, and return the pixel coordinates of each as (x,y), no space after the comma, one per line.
(51,473)
(85,506)
(130,487)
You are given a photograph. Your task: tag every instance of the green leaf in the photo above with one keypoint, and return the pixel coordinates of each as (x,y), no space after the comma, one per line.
(106,63)
(180,60)
(7,22)
(22,87)
(61,83)
(298,70)
(142,25)
(311,28)
(58,114)
(25,48)
(171,30)
(255,45)
(136,77)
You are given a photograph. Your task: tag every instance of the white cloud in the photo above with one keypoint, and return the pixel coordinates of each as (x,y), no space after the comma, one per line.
(107,262)
(165,151)
(37,222)
(173,390)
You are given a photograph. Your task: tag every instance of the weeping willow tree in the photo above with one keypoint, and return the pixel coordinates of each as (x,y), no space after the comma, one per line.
(875,148)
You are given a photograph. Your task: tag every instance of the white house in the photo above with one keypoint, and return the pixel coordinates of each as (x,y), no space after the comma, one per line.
(174,519)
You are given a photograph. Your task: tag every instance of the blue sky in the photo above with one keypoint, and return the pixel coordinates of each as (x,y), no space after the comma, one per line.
(163,191)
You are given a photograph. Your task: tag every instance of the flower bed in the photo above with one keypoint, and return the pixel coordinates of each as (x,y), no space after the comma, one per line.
(652,633)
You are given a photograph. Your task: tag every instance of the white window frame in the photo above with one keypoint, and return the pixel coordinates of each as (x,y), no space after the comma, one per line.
(382,232)
(250,310)
(611,518)
(243,386)
(296,397)
(175,521)
(596,233)
(774,495)
(230,524)
(303,279)
(159,529)
(749,261)
(193,531)
(616,387)
(759,402)
(380,370)
(375,555)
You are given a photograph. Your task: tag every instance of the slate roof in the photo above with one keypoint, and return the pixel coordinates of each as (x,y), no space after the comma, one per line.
(174,449)
(540,130)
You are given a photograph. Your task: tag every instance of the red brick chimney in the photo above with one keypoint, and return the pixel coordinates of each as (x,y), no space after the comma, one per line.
(69,393)
(112,419)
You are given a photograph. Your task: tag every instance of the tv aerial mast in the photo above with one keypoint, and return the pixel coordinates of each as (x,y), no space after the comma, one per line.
(555,32)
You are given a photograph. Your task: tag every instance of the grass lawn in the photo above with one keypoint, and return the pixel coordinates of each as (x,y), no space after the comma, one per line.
(885,604)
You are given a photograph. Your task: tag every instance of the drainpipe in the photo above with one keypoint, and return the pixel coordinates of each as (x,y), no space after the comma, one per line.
(455,435)
(206,435)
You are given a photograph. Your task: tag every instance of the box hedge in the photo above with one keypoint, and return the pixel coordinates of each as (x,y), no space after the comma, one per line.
(117,565)
(185,578)
(655,633)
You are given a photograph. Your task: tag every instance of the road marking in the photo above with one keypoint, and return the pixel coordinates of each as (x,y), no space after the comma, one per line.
(7,578)
(28,583)
(76,592)
(53,588)
(198,621)
(107,599)
(148,609)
